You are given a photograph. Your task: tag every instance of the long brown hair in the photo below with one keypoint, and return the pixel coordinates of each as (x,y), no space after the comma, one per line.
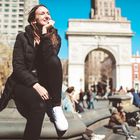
(31,20)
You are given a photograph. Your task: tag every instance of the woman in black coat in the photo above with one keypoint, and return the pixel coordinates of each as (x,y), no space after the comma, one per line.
(37,73)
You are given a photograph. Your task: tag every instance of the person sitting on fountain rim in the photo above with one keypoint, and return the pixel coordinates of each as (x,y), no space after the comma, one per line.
(118,121)
(70,104)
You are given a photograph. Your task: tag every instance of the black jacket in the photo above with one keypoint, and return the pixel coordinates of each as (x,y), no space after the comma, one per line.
(24,60)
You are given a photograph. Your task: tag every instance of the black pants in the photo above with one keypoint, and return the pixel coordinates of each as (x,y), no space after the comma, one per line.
(51,78)
(32,106)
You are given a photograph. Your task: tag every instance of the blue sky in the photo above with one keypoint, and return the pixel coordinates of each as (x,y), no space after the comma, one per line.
(62,10)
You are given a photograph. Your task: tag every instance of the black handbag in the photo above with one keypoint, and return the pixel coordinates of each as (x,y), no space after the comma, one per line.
(7,93)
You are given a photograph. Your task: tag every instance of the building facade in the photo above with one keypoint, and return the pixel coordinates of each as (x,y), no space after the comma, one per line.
(136,72)
(106,31)
(13,14)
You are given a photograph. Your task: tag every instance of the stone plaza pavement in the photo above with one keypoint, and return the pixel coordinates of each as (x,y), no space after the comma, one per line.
(100,127)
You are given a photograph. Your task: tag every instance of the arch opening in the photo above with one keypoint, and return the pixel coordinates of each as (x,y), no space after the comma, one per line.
(100,71)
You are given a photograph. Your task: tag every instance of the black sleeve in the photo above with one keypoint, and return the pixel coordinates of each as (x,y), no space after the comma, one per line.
(19,67)
(49,46)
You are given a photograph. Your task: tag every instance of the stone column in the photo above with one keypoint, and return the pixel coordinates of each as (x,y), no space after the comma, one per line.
(76,76)
(124,76)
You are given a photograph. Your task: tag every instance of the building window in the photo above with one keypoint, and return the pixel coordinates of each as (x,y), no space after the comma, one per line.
(20,15)
(14,21)
(14,10)
(101,12)
(13,26)
(105,4)
(6,15)
(21,21)
(14,5)
(136,86)
(20,10)
(14,15)
(106,12)
(5,26)
(112,12)
(6,10)
(135,76)
(20,26)
(21,5)
(6,5)
(135,67)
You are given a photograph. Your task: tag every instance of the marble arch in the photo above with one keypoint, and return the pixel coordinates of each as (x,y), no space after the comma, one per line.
(106,29)
(86,35)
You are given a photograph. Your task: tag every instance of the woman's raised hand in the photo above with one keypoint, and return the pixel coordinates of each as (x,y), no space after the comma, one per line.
(45,27)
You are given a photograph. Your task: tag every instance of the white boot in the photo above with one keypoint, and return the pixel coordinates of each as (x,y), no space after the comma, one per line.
(59,118)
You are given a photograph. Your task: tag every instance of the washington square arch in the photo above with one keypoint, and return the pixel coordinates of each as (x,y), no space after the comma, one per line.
(100,48)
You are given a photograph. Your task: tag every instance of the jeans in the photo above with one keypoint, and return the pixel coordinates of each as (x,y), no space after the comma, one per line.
(125,128)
